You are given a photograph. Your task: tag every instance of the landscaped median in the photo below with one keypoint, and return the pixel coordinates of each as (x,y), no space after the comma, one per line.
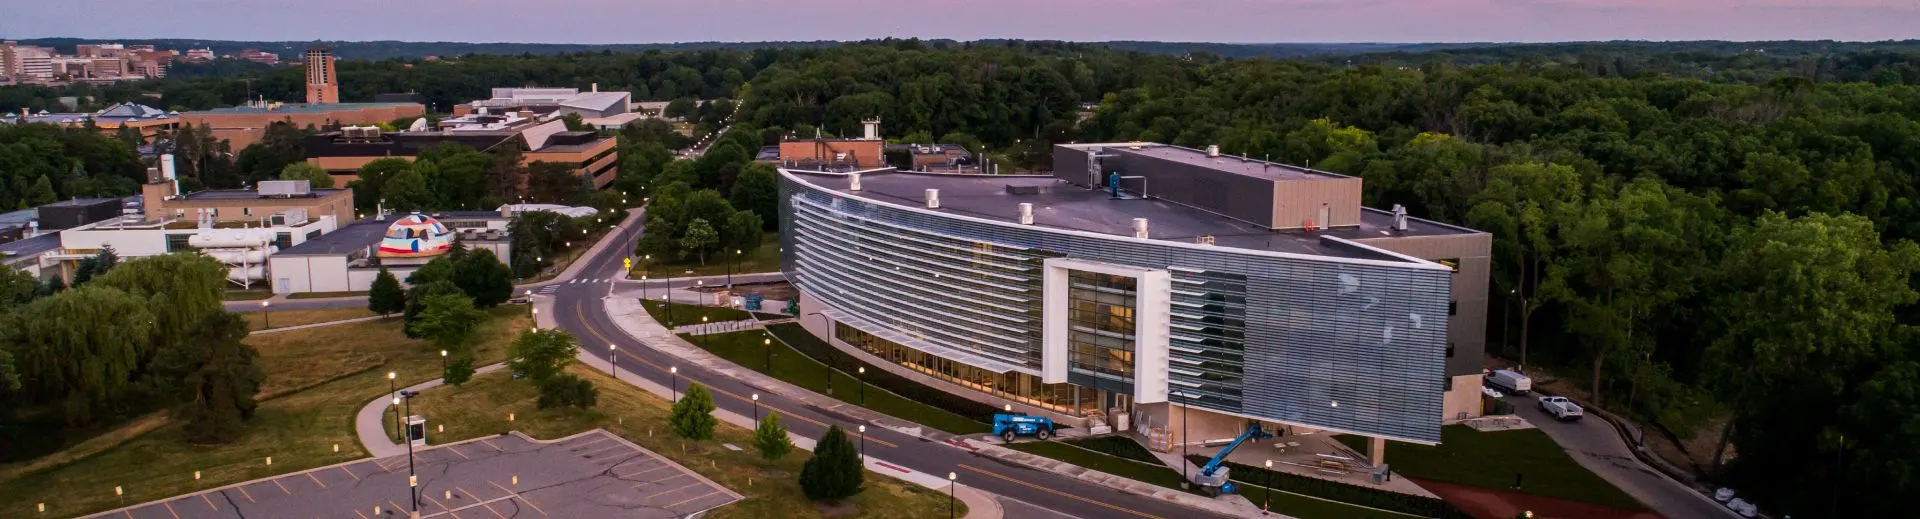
(482,407)
(686,314)
(753,350)
(316,380)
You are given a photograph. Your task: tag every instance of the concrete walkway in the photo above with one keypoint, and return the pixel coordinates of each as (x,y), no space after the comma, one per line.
(625,311)
(320,324)
(368,425)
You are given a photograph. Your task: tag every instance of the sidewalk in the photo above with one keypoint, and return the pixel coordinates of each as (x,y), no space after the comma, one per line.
(626,312)
(319,324)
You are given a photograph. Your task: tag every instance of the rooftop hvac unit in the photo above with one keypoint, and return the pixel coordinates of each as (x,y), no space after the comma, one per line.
(286,187)
(933,199)
(290,217)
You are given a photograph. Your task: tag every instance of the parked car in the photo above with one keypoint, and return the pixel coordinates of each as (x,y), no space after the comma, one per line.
(1489,391)
(1742,507)
(1510,381)
(1561,408)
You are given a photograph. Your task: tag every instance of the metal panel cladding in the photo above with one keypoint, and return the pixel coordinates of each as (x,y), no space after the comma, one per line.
(1330,343)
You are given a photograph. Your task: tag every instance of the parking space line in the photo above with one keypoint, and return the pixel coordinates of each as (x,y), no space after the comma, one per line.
(243,491)
(316,479)
(356,477)
(128,512)
(647,471)
(176,515)
(363,515)
(209,500)
(695,483)
(283,488)
(456,450)
(496,448)
(522,498)
(610,448)
(396,506)
(595,440)
(496,513)
(701,496)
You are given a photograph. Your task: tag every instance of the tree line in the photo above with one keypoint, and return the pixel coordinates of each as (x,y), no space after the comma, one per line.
(1684,250)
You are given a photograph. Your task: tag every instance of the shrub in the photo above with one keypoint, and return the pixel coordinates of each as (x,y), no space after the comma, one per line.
(770,438)
(834,473)
(567,390)
(692,416)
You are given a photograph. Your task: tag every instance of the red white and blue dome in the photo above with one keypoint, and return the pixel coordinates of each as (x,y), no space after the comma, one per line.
(416,235)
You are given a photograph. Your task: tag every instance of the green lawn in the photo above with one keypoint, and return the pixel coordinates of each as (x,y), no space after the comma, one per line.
(1157,474)
(748,350)
(685,314)
(246,295)
(316,380)
(1491,459)
(284,318)
(765,258)
(324,295)
(480,408)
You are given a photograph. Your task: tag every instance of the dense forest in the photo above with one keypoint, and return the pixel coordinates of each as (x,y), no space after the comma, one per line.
(1715,239)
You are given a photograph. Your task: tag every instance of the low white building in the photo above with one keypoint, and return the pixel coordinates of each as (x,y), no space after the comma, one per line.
(349,259)
(242,245)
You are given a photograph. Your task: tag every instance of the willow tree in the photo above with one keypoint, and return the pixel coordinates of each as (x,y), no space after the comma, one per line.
(179,289)
(81,348)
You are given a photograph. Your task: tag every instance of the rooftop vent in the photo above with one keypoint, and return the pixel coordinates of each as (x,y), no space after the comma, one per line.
(933,199)
(1140,228)
(1399,217)
(1026,214)
(1213,150)
(1204,239)
(853,182)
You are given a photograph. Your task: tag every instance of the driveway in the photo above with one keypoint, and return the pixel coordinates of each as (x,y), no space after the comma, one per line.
(1595,445)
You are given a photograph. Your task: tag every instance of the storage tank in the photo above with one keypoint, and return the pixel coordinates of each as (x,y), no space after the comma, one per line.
(238,255)
(250,273)
(227,239)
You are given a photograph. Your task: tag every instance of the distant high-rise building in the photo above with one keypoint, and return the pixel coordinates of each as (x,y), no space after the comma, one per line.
(322,86)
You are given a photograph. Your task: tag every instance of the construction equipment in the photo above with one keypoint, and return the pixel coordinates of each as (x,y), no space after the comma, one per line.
(1007,426)
(1213,476)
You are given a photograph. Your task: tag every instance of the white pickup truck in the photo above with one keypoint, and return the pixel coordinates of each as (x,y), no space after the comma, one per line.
(1560,407)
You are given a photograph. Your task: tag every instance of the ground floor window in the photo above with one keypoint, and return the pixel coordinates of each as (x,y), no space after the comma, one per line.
(1013,385)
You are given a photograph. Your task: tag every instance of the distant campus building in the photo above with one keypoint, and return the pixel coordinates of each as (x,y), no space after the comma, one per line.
(1142,283)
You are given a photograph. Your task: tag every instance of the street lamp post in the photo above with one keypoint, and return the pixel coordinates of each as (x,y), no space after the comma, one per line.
(266,316)
(730,262)
(1266,502)
(766,348)
(613,360)
(953,481)
(413,490)
(443,364)
(701,332)
(673,378)
(667,296)
(863,386)
(392,391)
(1186,475)
(756,408)
(863,443)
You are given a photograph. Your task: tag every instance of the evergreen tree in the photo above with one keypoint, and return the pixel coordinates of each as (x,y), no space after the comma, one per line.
(386,297)
(95,266)
(459,370)
(221,378)
(417,301)
(770,438)
(567,390)
(484,278)
(692,416)
(41,193)
(834,473)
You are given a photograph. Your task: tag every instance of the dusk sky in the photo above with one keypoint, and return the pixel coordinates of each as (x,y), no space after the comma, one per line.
(647,21)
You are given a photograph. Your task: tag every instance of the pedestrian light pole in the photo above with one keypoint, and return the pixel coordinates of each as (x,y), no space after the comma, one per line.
(443,364)
(766,348)
(266,316)
(413,480)
(756,408)
(863,385)
(613,360)
(1266,502)
(673,374)
(393,392)
(863,443)
(953,481)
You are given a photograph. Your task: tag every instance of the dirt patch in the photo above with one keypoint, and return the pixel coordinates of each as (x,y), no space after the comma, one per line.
(841,509)
(1485,503)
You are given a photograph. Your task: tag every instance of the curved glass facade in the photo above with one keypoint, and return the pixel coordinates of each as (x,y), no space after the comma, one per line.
(1324,342)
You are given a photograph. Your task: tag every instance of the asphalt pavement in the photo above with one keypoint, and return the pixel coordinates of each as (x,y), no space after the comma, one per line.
(1595,445)
(1024,485)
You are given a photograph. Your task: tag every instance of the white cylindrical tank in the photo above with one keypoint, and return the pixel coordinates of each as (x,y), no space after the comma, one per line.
(238,255)
(242,274)
(227,239)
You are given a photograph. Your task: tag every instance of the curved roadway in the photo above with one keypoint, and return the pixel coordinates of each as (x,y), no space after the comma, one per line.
(590,324)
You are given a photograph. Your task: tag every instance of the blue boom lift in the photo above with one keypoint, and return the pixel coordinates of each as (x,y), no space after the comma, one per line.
(1006,426)
(1213,476)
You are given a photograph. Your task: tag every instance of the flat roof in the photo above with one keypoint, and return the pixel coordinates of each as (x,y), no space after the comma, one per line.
(1061,205)
(355,236)
(84,202)
(30,246)
(297,108)
(249,194)
(1231,164)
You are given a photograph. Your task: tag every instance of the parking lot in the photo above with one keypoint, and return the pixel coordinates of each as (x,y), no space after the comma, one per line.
(592,474)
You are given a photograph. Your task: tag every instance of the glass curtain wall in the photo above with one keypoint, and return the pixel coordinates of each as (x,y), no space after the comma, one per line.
(1013,385)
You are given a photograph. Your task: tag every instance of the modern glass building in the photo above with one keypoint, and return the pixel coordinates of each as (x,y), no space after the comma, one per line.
(1144,286)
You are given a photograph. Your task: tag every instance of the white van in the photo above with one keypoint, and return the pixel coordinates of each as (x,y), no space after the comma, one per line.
(1513,382)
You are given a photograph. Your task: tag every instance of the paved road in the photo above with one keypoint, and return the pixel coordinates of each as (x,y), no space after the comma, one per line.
(1594,444)
(595,331)
(593,474)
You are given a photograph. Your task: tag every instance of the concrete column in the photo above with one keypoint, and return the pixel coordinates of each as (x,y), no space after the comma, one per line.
(1377,451)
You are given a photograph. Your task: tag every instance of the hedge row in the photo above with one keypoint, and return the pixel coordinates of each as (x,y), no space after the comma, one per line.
(1342,492)
(806,343)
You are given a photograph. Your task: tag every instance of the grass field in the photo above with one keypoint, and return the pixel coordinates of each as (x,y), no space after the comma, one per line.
(284,318)
(480,408)
(748,350)
(1466,456)
(246,295)
(316,380)
(685,314)
(765,258)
